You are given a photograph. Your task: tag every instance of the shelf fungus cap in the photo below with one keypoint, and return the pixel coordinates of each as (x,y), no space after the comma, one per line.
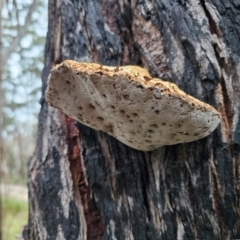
(142,112)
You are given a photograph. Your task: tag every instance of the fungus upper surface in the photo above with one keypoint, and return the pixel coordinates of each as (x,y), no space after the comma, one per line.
(144,113)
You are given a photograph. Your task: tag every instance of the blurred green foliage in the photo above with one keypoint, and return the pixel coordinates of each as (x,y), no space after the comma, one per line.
(15,217)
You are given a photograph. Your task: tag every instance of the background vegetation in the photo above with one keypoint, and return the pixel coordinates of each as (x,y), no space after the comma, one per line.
(23,26)
(23,35)
(15,215)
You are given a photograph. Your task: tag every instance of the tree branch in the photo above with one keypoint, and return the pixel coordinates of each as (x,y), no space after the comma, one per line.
(20,32)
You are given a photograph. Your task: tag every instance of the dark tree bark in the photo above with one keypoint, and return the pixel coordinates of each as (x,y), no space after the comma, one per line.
(84,184)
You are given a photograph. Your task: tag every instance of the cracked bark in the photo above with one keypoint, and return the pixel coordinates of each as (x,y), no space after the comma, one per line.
(84,184)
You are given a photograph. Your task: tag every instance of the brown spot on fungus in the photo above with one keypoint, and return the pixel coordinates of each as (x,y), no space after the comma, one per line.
(91,106)
(116,69)
(147,78)
(109,128)
(100,119)
(132,95)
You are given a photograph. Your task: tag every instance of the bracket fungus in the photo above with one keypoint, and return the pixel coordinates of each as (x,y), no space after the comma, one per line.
(144,113)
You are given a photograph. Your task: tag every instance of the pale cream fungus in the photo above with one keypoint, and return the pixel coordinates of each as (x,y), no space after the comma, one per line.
(144,113)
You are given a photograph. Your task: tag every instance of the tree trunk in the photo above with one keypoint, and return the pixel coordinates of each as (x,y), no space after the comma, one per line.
(84,184)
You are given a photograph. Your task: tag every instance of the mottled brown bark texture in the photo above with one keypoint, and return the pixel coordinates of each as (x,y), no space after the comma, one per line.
(84,184)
